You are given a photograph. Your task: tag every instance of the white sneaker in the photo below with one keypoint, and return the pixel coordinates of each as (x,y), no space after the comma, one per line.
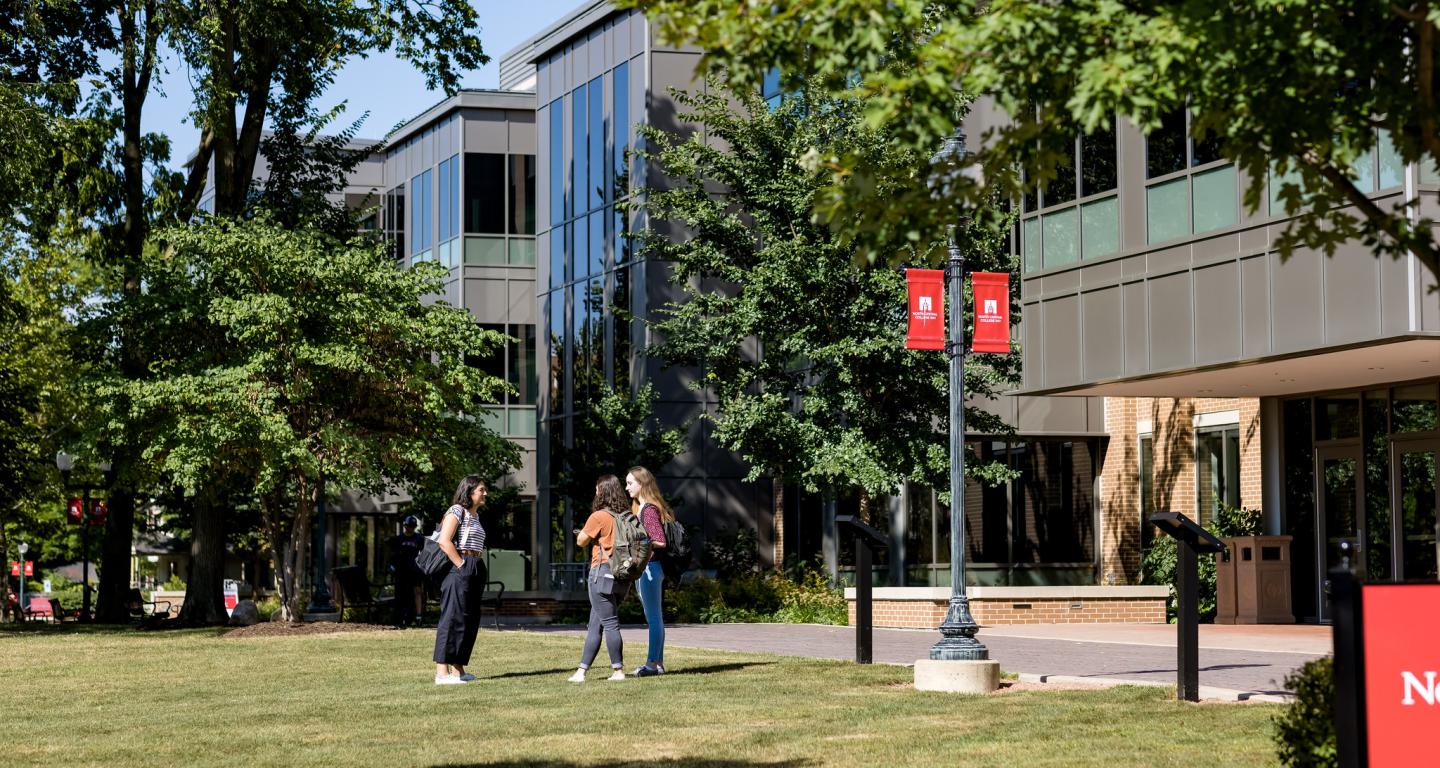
(450,680)
(578,677)
(619,674)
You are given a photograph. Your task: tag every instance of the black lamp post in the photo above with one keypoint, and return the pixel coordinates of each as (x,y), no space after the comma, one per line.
(66,463)
(957,642)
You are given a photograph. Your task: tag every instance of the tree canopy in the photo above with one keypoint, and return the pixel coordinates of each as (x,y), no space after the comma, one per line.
(802,343)
(294,359)
(1298,93)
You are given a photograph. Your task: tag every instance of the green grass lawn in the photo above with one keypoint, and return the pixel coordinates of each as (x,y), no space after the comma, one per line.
(189,698)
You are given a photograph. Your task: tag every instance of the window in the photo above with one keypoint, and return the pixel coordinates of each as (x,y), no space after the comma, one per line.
(559,340)
(1147,490)
(520,364)
(1217,470)
(557,255)
(395,222)
(484,193)
(522,194)
(579,163)
(557,164)
(770,88)
(1196,203)
(449,198)
(598,191)
(622,128)
(421,212)
(1064,233)
(597,242)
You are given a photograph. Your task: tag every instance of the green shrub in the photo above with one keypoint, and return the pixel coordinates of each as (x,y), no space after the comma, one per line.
(174,584)
(1157,565)
(267,607)
(811,600)
(732,553)
(1305,729)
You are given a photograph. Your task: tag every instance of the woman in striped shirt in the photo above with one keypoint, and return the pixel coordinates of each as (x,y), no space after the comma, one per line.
(462,539)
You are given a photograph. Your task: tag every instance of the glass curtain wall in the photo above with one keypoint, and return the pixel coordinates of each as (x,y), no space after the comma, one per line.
(588,346)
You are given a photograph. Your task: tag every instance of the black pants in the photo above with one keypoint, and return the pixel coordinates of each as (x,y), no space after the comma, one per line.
(460,595)
(402,611)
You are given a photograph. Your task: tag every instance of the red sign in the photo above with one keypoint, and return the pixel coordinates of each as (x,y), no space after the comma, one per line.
(75,511)
(992,312)
(1402,671)
(15,567)
(98,510)
(927,308)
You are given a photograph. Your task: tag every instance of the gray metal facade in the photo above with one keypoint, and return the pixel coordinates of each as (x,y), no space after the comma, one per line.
(1155,306)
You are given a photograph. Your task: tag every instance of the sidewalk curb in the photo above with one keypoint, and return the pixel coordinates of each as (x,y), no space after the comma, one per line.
(1207,692)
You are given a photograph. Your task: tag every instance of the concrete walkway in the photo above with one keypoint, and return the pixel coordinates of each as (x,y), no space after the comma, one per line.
(1236,662)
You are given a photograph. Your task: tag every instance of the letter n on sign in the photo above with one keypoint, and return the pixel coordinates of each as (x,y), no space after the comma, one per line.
(927,308)
(992,312)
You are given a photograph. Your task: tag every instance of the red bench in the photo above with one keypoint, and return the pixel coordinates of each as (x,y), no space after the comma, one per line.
(43,608)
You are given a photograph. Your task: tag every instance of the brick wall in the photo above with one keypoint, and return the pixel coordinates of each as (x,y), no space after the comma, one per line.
(1172,426)
(912,613)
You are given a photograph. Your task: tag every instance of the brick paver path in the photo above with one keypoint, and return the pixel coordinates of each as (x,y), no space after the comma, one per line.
(1255,671)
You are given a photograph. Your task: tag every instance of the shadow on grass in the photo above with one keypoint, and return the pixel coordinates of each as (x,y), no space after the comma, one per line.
(667,762)
(716,668)
(533,673)
(39,628)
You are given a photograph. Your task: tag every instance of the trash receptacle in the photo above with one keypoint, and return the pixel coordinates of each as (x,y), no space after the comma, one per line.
(508,566)
(1225,584)
(1259,571)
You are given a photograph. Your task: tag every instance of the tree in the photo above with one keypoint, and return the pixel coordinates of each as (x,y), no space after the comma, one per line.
(311,363)
(246,59)
(801,342)
(615,431)
(1294,92)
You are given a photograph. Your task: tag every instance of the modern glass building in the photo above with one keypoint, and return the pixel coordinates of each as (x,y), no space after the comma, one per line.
(1145,276)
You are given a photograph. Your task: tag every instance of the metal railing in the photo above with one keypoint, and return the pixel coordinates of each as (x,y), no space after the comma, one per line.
(568,577)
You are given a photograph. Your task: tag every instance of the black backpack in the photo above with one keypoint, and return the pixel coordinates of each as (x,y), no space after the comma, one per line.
(678,553)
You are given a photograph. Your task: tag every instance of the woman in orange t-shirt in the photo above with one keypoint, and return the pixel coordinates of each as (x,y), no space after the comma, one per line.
(605,591)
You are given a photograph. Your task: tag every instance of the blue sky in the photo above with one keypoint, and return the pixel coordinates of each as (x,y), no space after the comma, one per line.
(390,89)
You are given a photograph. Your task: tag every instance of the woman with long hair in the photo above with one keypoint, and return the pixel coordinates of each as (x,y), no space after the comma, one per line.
(606,592)
(654,513)
(462,539)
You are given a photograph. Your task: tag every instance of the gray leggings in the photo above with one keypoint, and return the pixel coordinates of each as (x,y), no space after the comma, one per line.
(605,597)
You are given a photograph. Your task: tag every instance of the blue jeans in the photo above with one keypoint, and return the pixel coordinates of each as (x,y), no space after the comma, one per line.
(651,584)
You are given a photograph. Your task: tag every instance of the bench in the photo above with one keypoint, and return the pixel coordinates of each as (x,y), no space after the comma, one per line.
(147,612)
(354,590)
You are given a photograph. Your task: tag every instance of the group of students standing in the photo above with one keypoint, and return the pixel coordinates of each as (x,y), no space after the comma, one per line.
(462,539)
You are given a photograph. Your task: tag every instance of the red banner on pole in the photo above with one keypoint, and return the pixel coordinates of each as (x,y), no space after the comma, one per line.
(992,312)
(1400,692)
(927,308)
(75,511)
(98,510)
(15,567)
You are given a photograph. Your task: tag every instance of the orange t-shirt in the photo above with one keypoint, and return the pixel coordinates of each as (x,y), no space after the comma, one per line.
(600,526)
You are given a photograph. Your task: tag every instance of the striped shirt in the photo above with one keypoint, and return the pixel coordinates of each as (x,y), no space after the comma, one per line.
(470,534)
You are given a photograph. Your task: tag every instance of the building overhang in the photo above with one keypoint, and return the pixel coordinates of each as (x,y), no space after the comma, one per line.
(470,98)
(1359,366)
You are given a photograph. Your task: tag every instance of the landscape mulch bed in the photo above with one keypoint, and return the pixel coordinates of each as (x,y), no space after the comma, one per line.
(282,629)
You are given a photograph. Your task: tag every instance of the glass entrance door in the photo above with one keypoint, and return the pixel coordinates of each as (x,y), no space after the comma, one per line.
(1339,515)
(1416,498)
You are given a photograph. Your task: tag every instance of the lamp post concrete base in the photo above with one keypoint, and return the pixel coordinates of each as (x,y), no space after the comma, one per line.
(957,676)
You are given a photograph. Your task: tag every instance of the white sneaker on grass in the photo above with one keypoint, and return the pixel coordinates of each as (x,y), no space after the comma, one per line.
(578,677)
(618,674)
(450,680)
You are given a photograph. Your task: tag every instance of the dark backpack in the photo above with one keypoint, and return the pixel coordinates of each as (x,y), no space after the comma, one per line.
(631,552)
(678,553)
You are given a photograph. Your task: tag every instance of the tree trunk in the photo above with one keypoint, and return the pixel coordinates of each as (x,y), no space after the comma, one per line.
(113,604)
(289,541)
(205,590)
(5,582)
(777,495)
